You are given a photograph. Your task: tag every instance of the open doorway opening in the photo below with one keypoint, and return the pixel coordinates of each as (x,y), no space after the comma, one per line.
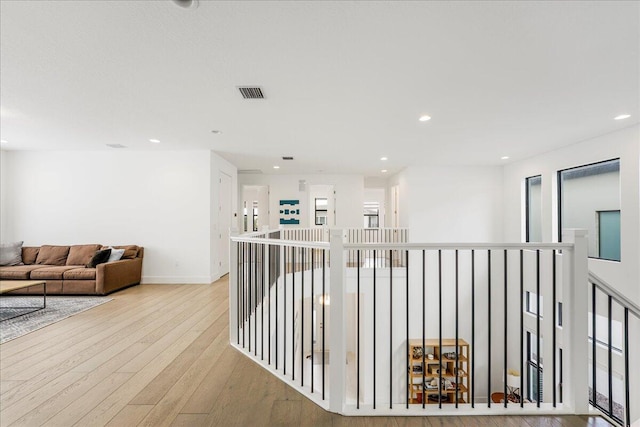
(373,209)
(322,202)
(255,207)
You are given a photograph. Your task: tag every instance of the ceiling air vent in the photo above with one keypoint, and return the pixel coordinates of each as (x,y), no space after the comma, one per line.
(287,158)
(251,92)
(116,146)
(249,171)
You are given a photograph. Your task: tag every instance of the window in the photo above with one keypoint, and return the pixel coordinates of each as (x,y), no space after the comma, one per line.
(255,216)
(533,190)
(371,214)
(589,198)
(559,315)
(531,305)
(534,372)
(244,216)
(321,205)
(609,235)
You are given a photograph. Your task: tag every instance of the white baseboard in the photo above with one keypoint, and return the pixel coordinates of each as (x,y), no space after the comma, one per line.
(180,280)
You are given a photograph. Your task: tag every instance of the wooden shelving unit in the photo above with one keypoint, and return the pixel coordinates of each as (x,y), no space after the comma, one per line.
(455,374)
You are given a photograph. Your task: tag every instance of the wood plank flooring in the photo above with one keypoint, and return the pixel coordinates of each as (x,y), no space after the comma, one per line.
(158,355)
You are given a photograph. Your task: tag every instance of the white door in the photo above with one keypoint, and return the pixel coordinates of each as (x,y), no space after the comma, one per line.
(224,221)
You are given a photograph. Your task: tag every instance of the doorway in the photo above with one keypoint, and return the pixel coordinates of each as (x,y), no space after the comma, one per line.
(224,220)
(322,202)
(255,207)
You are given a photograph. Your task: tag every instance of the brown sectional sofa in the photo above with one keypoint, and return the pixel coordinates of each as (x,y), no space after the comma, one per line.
(64,269)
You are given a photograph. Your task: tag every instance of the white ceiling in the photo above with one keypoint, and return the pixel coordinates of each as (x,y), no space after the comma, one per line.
(345,82)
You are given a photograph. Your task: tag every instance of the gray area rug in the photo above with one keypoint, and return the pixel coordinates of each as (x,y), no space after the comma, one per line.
(58,308)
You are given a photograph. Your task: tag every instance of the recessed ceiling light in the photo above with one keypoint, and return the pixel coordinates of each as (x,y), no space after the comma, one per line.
(504,158)
(276,167)
(186,4)
(383,171)
(424,118)
(155,141)
(216,132)
(622,117)
(383,158)
(3,141)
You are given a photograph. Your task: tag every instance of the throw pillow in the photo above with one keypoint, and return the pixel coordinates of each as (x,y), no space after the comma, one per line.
(116,254)
(11,253)
(130,251)
(100,257)
(52,255)
(81,254)
(30,254)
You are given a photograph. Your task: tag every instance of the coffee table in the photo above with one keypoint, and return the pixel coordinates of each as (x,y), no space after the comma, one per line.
(14,285)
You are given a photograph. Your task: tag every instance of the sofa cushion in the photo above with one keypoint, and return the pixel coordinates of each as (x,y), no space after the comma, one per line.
(100,257)
(78,287)
(51,272)
(11,253)
(130,251)
(29,254)
(52,255)
(80,274)
(17,272)
(81,254)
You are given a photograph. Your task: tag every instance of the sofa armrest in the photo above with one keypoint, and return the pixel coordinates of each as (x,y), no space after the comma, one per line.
(115,275)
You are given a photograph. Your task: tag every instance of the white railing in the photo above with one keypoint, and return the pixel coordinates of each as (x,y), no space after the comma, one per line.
(356,235)
(348,335)
(614,329)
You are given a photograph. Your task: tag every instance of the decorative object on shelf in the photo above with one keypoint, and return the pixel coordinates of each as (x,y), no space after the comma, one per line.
(431,384)
(438,398)
(418,352)
(450,355)
(513,385)
(430,356)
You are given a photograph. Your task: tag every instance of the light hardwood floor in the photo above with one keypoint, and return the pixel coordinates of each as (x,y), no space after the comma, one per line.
(158,355)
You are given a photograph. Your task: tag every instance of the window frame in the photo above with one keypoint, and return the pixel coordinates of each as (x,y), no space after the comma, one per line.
(316,210)
(527,205)
(559,196)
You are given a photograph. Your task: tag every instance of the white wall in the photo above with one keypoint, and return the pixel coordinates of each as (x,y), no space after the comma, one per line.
(623,144)
(4,185)
(451,204)
(159,200)
(349,196)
